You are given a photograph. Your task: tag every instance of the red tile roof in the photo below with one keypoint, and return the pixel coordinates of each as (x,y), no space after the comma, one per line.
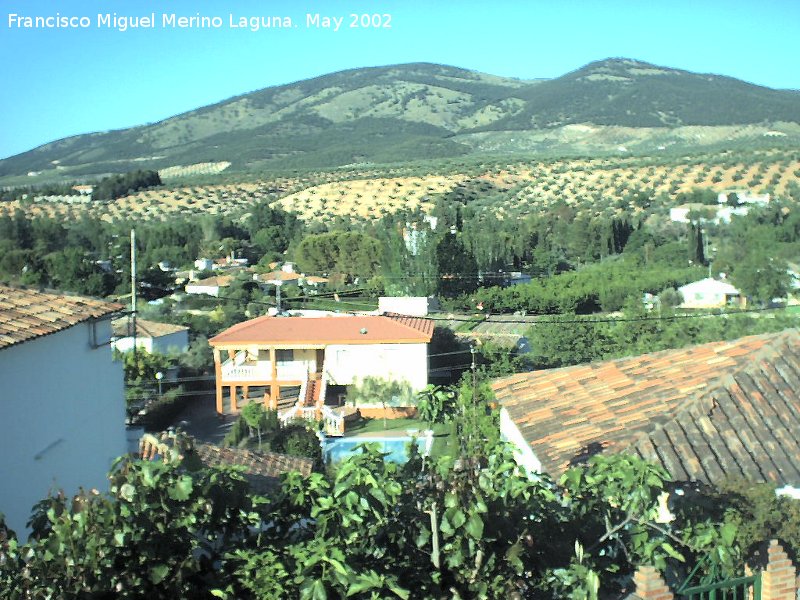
(328,330)
(145,329)
(277,276)
(26,314)
(706,412)
(218,281)
(263,469)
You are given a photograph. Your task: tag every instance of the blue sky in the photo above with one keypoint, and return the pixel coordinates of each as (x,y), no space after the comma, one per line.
(60,82)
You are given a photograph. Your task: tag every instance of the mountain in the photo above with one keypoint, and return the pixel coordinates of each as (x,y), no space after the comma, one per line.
(630,93)
(419,111)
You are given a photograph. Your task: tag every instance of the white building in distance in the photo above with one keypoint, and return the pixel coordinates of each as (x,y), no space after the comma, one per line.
(152,336)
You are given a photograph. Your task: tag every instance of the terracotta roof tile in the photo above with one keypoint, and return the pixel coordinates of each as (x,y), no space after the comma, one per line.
(150,329)
(277,276)
(218,281)
(263,469)
(26,314)
(327,330)
(707,412)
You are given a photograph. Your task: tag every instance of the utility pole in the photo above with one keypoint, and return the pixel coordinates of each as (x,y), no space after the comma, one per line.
(133,289)
(473,434)
(473,350)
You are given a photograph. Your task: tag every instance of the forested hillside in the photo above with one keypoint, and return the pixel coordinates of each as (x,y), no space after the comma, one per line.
(423,111)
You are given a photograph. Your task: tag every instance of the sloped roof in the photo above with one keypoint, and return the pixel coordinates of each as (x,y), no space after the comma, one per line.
(277,276)
(374,329)
(26,314)
(219,281)
(144,329)
(709,284)
(708,412)
(263,469)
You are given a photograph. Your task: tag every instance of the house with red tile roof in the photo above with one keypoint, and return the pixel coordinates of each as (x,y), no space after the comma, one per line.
(62,397)
(297,364)
(278,278)
(706,413)
(151,336)
(262,469)
(210,286)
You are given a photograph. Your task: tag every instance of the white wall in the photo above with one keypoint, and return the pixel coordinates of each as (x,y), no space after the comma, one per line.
(209,290)
(63,411)
(409,362)
(125,344)
(523,453)
(172,342)
(415,306)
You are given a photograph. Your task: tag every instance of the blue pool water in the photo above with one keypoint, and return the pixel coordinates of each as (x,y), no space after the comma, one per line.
(337,449)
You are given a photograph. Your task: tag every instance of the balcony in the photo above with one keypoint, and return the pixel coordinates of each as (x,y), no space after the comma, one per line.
(262,371)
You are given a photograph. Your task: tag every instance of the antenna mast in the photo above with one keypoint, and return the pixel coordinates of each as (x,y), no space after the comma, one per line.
(133,288)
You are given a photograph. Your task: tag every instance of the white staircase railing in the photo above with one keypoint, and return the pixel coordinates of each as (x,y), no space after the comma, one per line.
(333,422)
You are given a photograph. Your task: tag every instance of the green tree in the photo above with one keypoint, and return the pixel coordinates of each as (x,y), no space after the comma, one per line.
(762,277)
(457,268)
(569,341)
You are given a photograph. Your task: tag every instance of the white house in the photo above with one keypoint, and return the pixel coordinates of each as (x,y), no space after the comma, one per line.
(210,286)
(204,264)
(744,197)
(712,214)
(293,363)
(150,335)
(281,277)
(413,306)
(711,293)
(312,283)
(62,398)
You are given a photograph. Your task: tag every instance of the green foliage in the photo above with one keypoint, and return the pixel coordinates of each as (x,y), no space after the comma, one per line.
(758,514)
(628,517)
(297,439)
(140,367)
(762,277)
(352,254)
(377,390)
(603,286)
(437,404)
(116,186)
(150,536)
(670,298)
(408,265)
(257,425)
(271,230)
(474,527)
(457,268)
(392,114)
(256,417)
(697,196)
(563,341)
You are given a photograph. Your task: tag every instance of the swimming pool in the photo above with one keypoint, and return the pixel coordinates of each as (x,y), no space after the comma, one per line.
(335,449)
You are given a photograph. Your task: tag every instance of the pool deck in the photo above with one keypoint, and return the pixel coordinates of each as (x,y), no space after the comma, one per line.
(391,433)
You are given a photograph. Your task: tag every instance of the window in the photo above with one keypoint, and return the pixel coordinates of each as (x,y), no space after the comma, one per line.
(284,356)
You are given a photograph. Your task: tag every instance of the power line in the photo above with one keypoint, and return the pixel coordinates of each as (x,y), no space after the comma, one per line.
(537,321)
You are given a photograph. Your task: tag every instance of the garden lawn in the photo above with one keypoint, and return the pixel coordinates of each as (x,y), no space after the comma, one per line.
(444,441)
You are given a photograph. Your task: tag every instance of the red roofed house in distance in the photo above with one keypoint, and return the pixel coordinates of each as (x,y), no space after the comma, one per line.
(299,363)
